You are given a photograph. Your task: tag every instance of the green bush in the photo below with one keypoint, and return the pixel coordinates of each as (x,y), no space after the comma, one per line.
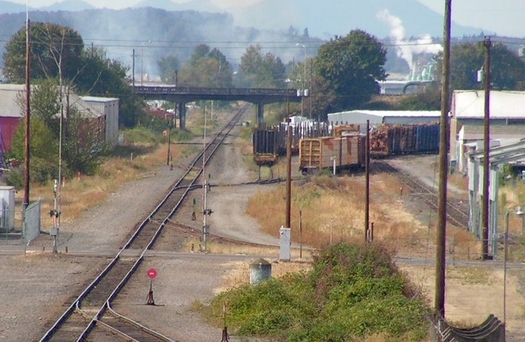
(14,177)
(141,134)
(352,291)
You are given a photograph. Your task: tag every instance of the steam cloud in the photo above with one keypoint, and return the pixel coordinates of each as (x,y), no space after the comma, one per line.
(407,48)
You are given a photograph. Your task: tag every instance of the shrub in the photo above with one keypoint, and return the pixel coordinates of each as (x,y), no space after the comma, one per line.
(353,291)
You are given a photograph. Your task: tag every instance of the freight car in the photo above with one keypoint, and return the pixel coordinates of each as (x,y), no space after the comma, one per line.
(386,140)
(344,152)
(270,142)
(265,146)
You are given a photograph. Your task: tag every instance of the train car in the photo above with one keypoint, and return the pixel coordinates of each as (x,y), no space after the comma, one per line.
(344,152)
(265,146)
(386,140)
(269,143)
(340,130)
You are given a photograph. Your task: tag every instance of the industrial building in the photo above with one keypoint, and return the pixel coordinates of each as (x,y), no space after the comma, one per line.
(376,117)
(11,114)
(107,107)
(467,115)
(12,111)
(498,157)
(471,138)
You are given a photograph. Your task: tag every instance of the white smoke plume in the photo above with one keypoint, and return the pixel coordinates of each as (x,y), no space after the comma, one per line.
(407,48)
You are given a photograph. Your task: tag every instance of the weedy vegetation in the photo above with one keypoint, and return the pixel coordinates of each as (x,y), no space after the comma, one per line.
(353,292)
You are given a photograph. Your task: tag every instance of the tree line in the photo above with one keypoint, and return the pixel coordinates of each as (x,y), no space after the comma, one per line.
(343,75)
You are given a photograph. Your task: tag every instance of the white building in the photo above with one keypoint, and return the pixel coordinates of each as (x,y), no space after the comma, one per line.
(108,107)
(507,110)
(400,117)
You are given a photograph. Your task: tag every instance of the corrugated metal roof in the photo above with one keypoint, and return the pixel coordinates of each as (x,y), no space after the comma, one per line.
(503,104)
(99,99)
(10,107)
(84,108)
(396,113)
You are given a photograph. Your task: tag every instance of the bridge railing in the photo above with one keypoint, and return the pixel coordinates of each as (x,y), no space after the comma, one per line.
(167,90)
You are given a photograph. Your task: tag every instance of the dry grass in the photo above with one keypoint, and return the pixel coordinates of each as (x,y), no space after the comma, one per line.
(333,209)
(83,192)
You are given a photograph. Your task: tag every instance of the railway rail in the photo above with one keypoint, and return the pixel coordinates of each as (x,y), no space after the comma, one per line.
(90,314)
(457,212)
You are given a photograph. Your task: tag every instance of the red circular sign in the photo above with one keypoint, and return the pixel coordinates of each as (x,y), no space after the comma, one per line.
(152,273)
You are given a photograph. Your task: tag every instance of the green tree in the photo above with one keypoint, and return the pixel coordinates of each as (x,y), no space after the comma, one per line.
(351,67)
(263,71)
(45,103)
(169,67)
(55,52)
(507,68)
(101,76)
(82,146)
(81,137)
(43,149)
(206,68)
(58,53)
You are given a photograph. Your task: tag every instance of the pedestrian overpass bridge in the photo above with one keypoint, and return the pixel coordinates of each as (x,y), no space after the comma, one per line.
(183,95)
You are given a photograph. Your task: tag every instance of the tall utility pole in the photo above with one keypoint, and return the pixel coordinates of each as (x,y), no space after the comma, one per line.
(205,228)
(28,113)
(486,149)
(367,180)
(441,229)
(288,223)
(133,85)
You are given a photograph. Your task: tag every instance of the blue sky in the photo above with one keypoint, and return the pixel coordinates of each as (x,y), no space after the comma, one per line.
(503,17)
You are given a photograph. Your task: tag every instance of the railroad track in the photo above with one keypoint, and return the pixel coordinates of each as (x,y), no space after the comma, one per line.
(90,314)
(457,212)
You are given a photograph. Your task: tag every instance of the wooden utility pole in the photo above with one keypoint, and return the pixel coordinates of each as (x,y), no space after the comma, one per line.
(133,85)
(486,149)
(28,115)
(441,229)
(367,180)
(288,223)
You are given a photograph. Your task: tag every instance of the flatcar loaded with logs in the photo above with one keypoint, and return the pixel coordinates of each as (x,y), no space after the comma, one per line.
(386,140)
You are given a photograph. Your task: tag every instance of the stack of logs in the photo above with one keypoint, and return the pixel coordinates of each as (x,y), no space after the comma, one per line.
(379,141)
(348,129)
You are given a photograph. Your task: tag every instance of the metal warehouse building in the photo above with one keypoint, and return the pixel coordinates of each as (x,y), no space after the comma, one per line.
(108,107)
(396,117)
(507,108)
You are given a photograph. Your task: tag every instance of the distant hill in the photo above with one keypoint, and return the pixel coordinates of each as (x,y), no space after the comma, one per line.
(152,33)
(68,5)
(10,7)
(323,19)
(147,33)
(193,5)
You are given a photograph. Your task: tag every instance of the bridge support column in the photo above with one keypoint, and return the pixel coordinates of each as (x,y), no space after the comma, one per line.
(181,108)
(260,113)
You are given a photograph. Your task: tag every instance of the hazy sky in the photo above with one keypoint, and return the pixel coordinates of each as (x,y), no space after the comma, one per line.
(503,17)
